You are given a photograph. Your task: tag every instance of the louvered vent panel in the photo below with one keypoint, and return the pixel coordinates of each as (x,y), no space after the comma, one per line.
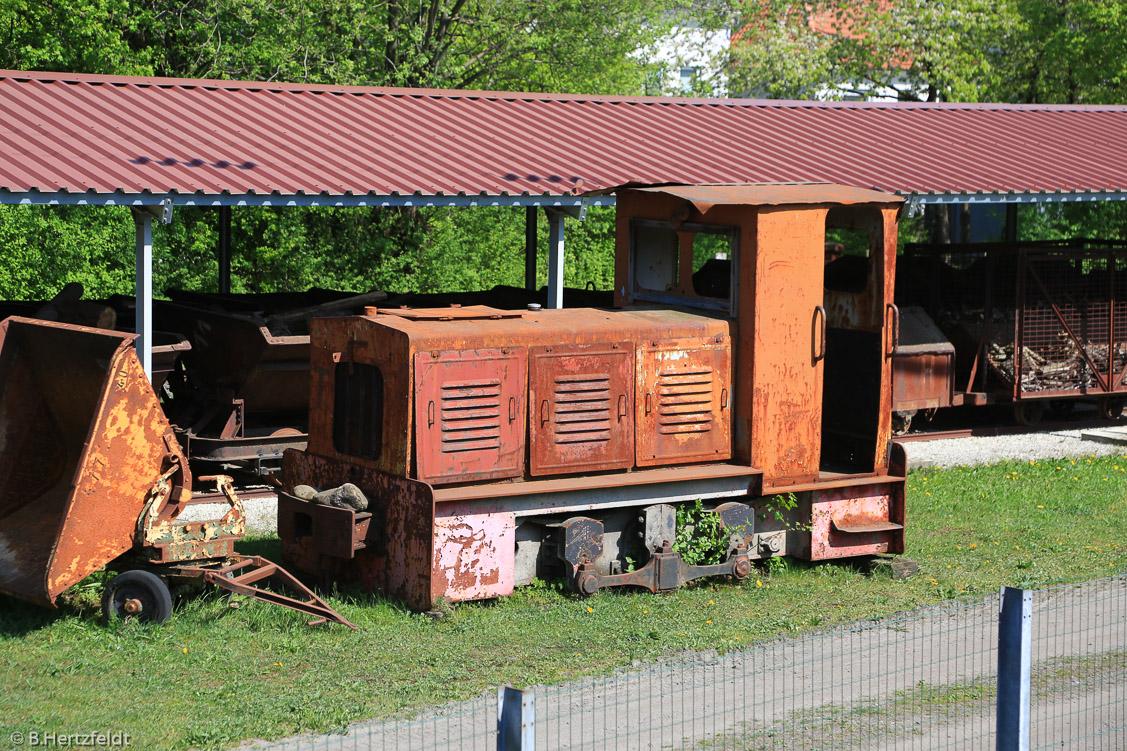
(685,401)
(583,408)
(471,416)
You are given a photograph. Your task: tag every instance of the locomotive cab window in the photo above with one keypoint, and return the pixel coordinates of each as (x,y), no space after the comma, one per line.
(692,265)
(358,396)
(849,245)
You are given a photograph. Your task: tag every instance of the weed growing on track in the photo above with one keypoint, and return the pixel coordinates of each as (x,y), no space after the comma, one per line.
(217,674)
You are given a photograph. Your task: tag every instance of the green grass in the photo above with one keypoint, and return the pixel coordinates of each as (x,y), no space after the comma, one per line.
(217,674)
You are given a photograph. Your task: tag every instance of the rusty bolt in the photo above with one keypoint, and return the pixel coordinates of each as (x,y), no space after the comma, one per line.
(741,568)
(133,606)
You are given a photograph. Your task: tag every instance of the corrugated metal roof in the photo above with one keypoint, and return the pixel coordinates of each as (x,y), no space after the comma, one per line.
(254,142)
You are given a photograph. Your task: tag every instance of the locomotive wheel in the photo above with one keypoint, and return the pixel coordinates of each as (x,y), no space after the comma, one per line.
(1062,407)
(902,422)
(137,594)
(1111,408)
(1029,413)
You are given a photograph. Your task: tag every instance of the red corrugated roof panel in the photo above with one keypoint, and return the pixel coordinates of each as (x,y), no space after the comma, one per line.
(104,134)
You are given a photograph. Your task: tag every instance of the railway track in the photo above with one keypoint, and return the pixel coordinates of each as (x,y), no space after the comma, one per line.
(989,431)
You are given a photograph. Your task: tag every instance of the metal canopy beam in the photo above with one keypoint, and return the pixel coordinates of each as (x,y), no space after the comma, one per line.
(36,198)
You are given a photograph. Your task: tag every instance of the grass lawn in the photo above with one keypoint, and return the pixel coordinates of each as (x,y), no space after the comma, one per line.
(217,674)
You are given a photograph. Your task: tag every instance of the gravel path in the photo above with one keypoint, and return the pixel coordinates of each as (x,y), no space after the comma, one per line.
(1050,444)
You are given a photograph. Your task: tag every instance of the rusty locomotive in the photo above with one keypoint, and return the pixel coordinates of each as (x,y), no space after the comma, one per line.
(739,366)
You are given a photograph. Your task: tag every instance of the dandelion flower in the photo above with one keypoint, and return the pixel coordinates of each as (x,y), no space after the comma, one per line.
(758,583)
(590,609)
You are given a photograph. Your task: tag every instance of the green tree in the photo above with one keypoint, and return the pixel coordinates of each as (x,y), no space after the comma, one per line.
(845,49)
(89,36)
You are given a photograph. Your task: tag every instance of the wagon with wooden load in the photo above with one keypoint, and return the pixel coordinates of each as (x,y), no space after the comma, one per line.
(1033,325)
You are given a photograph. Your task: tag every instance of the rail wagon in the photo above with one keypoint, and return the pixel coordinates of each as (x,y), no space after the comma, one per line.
(1030,325)
(738,367)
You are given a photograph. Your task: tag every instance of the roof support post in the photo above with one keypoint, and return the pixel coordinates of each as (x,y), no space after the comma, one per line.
(555,258)
(530,247)
(223,252)
(143,222)
(1011,222)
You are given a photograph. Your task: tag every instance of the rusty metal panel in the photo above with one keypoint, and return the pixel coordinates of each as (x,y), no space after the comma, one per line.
(581,408)
(684,401)
(401,568)
(82,442)
(924,381)
(474,556)
(704,197)
(923,363)
(788,331)
(470,414)
(852,521)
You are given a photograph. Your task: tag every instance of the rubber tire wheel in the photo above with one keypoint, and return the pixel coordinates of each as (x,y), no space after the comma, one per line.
(150,589)
(1029,413)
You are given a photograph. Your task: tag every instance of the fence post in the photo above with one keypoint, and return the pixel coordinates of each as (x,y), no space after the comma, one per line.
(1015,646)
(516,720)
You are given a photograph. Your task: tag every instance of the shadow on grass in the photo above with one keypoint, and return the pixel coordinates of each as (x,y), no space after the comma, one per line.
(19,618)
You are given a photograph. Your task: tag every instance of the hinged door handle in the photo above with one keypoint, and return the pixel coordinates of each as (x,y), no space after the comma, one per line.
(649,405)
(895,327)
(512,409)
(430,414)
(544,413)
(820,313)
(621,406)
(723,398)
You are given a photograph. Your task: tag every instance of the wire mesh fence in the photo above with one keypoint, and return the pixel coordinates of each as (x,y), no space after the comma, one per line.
(927,680)
(1078,681)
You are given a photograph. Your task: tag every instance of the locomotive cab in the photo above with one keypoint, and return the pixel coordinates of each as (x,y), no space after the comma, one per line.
(814,335)
(737,369)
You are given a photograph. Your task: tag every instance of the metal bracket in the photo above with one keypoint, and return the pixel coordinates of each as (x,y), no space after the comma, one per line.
(575,212)
(161,211)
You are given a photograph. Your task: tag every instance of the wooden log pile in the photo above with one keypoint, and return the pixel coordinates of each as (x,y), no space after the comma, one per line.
(1053,363)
